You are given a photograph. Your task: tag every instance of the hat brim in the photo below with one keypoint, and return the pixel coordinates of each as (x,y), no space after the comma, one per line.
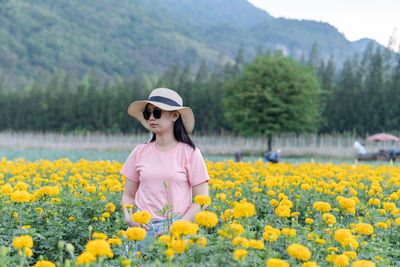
(136,110)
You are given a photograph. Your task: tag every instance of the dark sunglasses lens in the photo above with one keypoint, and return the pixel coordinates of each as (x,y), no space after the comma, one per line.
(157,113)
(146,114)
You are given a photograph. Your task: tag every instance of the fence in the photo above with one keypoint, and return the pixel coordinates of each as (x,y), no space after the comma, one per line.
(290,145)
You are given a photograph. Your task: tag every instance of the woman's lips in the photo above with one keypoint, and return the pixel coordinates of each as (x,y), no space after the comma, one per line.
(152,124)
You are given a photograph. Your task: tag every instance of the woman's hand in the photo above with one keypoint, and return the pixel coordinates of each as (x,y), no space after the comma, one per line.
(131,223)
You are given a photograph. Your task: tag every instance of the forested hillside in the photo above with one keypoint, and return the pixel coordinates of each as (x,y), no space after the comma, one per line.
(132,36)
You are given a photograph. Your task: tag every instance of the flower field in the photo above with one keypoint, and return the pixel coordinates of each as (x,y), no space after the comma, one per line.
(69,214)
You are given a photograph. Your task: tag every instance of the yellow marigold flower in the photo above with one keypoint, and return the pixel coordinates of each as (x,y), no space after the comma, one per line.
(309,220)
(128,206)
(105,214)
(21,196)
(270,193)
(202,242)
(110,207)
(6,189)
(102,198)
(181,227)
(227,215)
(26,227)
(72,219)
(28,252)
(351,254)
(299,252)
(346,203)
(21,186)
(114,241)
(121,233)
(270,236)
(331,258)
(282,211)
(164,238)
(135,233)
(85,257)
(256,244)
(364,228)
(330,249)
(286,202)
(90,189)
(382,225)
(206,219)
(179,245)
(44,264)
(238,194)
(99,247)
(389,205)
(274,202)
(236,228)
(322,206)
(363,263)
(99,236)
(397,221)
(310,264)
(289,232)
(342,260)
(273,262)
(329,218)
(374,201)
(320,241)
(240,253)
(244,242)
(342,234)
(54,200)
(305,187)
(311,236)
(169,252)
(221,196)
(202,200)
(23,241)
(126,262)
(243,209)
(142,217)
(395,212)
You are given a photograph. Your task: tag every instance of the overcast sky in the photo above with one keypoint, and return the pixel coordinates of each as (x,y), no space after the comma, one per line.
(356,19)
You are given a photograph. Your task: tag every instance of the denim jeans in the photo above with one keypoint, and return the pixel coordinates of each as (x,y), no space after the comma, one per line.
(157,228)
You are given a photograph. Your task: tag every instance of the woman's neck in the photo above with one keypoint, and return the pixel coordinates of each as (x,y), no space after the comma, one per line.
(165,142)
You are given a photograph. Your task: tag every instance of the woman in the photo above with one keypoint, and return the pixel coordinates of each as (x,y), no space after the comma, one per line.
(169,169)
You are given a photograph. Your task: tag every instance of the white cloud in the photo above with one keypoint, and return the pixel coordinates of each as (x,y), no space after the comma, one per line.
(356,19)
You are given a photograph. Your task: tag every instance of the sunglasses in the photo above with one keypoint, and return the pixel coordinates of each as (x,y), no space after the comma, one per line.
(156,113)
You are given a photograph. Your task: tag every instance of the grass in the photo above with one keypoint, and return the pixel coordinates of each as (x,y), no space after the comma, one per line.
(311,145)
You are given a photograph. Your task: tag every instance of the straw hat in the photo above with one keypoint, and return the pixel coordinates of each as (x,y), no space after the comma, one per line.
(165,99)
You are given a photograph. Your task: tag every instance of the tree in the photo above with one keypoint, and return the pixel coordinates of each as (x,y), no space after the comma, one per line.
(273,95)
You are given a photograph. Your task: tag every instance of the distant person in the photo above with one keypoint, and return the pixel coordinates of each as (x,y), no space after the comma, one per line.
(359,147)
(238,156)
(169,157)
(272,156)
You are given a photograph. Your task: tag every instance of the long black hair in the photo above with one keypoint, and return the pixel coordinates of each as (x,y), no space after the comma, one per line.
(179,133)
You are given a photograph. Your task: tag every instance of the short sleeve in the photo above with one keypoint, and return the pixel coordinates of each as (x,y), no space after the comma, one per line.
(129,169)
(197,169)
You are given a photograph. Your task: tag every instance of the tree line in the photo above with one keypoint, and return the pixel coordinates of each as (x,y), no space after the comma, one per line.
(361,96)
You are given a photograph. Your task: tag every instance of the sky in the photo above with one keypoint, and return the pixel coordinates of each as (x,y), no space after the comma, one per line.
(356,19)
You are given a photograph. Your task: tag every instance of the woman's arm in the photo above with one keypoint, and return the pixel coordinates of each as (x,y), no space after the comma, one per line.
(197,190)
(128,197)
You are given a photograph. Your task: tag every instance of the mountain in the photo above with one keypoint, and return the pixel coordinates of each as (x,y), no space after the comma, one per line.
(124,37)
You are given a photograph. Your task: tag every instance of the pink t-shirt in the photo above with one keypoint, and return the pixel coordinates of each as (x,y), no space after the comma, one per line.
(181,167)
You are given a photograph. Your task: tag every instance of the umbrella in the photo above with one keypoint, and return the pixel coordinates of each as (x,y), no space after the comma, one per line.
(382,137)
